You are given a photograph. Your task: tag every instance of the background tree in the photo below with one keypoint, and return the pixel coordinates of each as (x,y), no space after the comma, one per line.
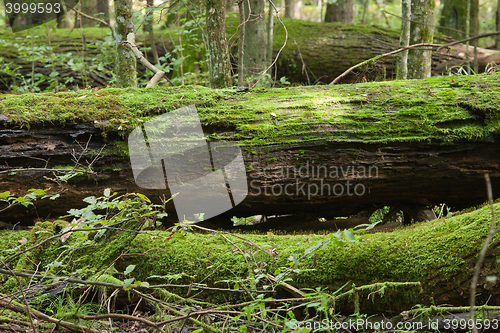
(148,28)
(220,67)
(454,17)
(421,31)
(404,41)
(126,63)
(289,8)
(340,11)
(255,48)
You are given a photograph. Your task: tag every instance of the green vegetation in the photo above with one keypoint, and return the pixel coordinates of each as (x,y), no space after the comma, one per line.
(444,248)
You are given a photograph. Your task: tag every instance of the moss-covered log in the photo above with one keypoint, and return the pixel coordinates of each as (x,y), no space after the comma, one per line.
(331,150)
(440,255)
(322,52)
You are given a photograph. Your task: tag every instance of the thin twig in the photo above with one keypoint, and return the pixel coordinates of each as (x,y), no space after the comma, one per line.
(28,310)
(41,316)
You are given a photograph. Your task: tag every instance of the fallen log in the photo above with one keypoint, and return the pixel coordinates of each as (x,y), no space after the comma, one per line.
(330,151)
(430,264)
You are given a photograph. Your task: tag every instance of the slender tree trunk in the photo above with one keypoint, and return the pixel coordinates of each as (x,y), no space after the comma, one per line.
(103,10)
(126,63)
(289,8)
(270,33)
(220,68)
(467,30)
(421,31)
(148,27)
(241,44)
(498,25)
(365,10)
(255,38)
(340,11)
(404,41)
(476,32)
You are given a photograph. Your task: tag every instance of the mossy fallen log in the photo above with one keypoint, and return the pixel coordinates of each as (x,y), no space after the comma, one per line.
(439,255)
(392,143)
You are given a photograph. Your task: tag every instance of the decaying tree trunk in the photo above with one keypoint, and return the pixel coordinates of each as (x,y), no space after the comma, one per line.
(330,151)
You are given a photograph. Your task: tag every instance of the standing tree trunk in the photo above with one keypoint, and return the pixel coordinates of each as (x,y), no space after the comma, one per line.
(290,8)
(340,11)
(270,33)
(126,63)
(241,44)
(476,32)
(255,57)
(220,68)
(421,31)
(404,41)
(454,18)
(498,25)
(148,27)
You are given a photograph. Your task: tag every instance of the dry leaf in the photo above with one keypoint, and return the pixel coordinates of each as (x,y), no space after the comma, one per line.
(23,240)
(82,96)
(273,115)
(50,147)
(73,225)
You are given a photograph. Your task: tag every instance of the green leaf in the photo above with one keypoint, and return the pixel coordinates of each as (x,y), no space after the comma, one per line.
(5,194)
(144,284)
(349,234)
(129,269)
(143,197)
(127,283)
(107,192)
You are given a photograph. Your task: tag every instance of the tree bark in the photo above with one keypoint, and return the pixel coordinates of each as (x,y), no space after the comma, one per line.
(404,41)
(148,27)
(255,57)
(340,11)
(126,63)
(498,25)
(220,67)
(333,159)
(422,31)
(289,8)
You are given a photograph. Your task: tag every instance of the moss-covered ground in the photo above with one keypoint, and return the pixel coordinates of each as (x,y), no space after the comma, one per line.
(438,253)
(445,109)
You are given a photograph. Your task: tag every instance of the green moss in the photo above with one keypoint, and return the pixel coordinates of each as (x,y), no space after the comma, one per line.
(441,250)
